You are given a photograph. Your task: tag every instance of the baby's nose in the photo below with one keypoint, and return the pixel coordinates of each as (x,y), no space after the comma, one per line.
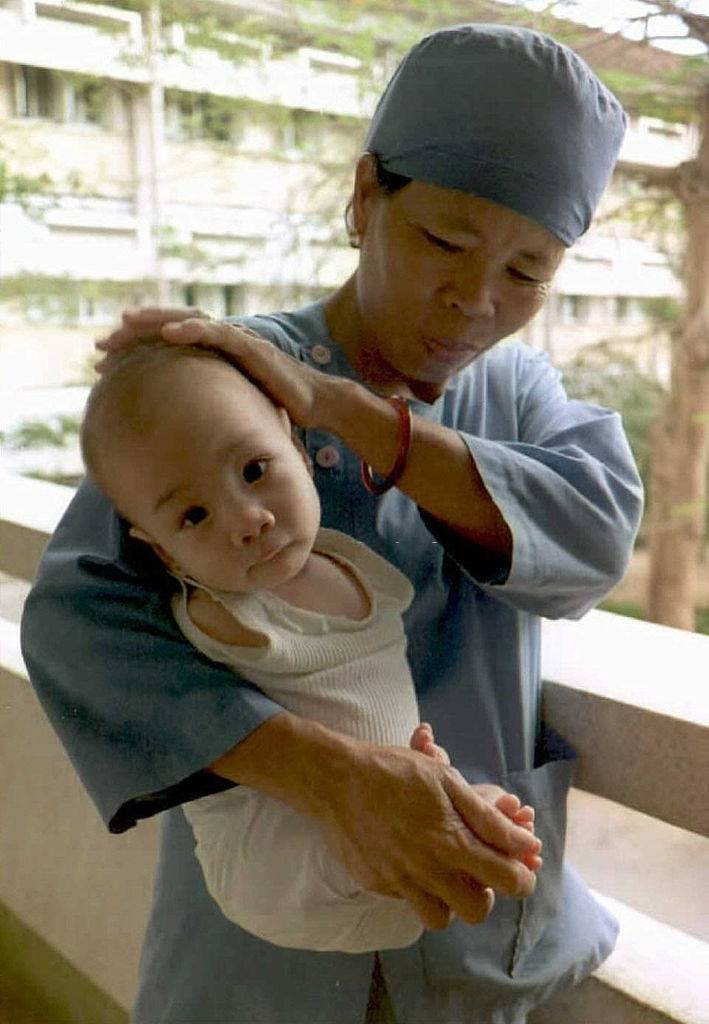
(253,523)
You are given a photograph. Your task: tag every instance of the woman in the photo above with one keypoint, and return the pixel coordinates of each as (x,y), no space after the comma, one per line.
(486,157)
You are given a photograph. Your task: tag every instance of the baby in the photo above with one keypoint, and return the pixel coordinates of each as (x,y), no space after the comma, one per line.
(205,468)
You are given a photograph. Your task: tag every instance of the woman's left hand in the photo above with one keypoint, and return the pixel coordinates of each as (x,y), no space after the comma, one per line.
(300,389)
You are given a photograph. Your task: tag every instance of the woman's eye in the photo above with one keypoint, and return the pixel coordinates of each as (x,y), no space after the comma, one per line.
(253,471)
(519,276)
(194,516)
(441,243)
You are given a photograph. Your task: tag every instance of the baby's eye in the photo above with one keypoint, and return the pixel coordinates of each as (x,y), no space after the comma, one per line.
(254,470)
(194,515)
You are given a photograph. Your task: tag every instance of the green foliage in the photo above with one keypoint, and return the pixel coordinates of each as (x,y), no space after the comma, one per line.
(631,609)
(207,116)
(650,97)
(60,295)
(67,480)
(21,188)
(53,433)
(194,255)
(635,611)
(662,310)
(609,378)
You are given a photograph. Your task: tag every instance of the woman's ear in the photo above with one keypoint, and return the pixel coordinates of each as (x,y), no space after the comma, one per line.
(366,188)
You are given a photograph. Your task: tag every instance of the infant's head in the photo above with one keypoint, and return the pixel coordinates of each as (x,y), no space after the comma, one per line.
(202,464)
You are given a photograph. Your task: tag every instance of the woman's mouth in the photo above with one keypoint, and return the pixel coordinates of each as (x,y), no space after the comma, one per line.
(448,351)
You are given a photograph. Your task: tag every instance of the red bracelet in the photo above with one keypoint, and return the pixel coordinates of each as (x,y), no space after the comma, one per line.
(405,432)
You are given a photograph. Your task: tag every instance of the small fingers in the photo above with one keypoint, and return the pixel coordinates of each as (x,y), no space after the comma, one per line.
(509,804)
(423,742)
(525,817)
(487,821)
(495,849)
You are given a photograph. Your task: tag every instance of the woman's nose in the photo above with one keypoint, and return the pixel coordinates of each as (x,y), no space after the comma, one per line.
(252,522)
(471,291)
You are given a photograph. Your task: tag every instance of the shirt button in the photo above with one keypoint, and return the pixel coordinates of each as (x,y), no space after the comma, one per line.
(320,354)
(327,457)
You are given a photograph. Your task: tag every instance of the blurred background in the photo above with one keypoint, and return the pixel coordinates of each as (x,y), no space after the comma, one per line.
(200,152)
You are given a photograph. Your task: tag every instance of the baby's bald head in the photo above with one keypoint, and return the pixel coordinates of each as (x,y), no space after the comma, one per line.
(203,466)
(130,400)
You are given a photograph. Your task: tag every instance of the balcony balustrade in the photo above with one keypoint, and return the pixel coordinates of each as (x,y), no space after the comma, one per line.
(630,696)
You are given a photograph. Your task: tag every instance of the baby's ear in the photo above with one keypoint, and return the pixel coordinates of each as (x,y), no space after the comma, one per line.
(138,534)
(167,560)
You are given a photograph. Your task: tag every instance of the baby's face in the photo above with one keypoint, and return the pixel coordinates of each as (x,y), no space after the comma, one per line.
(217,486)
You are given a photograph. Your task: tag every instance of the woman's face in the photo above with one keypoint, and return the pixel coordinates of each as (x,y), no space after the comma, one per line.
(442,276)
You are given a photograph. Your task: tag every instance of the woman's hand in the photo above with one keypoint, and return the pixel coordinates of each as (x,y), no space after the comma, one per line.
(143,324)
(290,383)
(410,826)
(298,388)
(402,823)
(423,740)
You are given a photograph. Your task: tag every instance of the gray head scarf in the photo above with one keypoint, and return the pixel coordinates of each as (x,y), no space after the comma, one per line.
(506,114)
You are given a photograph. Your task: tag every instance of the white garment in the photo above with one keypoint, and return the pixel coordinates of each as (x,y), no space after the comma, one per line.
(267,866)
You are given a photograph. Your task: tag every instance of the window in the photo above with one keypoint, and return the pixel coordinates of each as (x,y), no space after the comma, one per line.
(190,115)
(233,295)
(622,308)
(42,93)
(84,102)
(578,308)
(36,92)
(303,132)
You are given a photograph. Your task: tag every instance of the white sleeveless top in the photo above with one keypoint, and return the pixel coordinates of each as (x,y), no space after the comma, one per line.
(350,675)
(268,867)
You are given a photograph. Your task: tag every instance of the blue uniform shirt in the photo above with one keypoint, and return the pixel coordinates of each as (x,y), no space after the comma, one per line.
(141,713)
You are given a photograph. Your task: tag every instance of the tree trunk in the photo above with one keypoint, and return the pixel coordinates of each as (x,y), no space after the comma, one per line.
(679,477)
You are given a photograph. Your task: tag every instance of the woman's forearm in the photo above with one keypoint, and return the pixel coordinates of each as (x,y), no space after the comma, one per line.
(293,759)
(440,474)
(400,822)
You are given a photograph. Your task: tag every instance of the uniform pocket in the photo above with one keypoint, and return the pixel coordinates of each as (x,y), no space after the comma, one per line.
(546,789)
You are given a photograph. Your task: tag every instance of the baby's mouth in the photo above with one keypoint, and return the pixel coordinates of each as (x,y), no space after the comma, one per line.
(270,554)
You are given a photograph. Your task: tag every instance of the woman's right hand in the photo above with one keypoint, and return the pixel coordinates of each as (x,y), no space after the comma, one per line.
(407,825)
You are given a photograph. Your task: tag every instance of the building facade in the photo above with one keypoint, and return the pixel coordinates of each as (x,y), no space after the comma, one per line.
(215,172)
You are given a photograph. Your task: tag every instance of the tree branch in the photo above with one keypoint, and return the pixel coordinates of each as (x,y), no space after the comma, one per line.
(697,24)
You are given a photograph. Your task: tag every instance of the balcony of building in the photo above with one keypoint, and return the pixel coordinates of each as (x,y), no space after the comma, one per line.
(630,696)
(108,41)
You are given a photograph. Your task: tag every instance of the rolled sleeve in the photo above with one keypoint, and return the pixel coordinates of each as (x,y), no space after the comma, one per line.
(569,492)
(139,711)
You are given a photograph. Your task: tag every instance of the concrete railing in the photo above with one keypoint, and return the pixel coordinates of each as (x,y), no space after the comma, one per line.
(630,696)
